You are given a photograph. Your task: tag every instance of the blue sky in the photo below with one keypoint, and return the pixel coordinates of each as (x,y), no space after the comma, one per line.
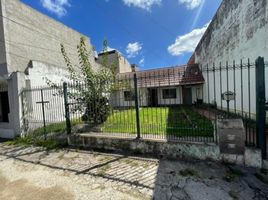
(150,33)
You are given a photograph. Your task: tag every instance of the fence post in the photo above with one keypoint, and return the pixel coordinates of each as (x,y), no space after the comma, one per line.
(260,105)
(67,110)
(137,107)
(43,112)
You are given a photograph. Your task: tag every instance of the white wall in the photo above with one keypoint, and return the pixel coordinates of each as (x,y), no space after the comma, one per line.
(196,92)
(162,101)
(238,31)
(118,100)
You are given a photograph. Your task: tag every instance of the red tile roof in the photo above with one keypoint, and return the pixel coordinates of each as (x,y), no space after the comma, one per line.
(171,76)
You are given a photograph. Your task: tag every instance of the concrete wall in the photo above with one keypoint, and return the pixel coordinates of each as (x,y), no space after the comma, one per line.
(30,35)
(3,65)
(165,149)
(117,59)
(238,31)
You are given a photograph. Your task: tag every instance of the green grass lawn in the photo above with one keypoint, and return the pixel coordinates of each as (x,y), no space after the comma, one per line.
(176,121)
(173,121)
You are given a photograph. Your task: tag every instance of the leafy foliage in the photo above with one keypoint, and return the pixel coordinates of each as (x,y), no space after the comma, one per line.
(90,88)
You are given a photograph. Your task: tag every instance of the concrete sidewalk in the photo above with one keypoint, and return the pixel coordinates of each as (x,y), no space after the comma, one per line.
(28,173)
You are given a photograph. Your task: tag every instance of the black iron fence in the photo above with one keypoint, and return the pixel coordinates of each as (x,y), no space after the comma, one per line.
(231,90)
(43,111)
(177,104)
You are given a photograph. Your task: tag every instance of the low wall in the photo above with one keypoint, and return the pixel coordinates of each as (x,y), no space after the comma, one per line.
(164,149)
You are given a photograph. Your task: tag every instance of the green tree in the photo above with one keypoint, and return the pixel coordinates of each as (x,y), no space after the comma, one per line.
(90,89)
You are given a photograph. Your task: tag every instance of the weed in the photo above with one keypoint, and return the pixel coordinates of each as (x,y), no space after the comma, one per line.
(261,178)
(264,171)
(233,174)
(188,172)
(32,141)
(102,171)
(61,156)
(236,172)
(229,178)
(233,194)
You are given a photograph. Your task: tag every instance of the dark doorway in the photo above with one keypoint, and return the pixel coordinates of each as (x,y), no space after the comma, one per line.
(4,107)
(153,97)
(187,96)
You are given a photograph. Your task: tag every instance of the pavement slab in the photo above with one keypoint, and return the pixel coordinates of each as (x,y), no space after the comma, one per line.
(34,173)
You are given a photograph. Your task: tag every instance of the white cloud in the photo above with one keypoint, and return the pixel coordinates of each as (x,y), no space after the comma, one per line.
(56,6)
(188,42)
(191,4)
(133,49)
(143,4)
(142,61)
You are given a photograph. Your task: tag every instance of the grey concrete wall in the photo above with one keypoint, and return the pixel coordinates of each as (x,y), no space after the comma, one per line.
(30,35)
(3,65)
(117,59)
(238,31)
(165,149)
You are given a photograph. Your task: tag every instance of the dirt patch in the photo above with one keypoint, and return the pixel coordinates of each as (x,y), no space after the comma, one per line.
(22,190)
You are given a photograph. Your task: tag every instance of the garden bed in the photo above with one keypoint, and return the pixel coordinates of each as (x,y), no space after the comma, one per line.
(177,121)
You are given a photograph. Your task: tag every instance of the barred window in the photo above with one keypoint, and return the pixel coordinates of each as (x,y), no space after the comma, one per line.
(169,93)
(129,96)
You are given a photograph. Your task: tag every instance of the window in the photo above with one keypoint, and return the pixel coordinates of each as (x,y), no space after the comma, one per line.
(129,96)
(169,94)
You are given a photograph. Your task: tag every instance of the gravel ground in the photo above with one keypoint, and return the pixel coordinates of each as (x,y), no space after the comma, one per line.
(30,173)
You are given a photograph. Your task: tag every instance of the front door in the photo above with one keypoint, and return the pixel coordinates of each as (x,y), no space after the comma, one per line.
(187,96)
(153,100)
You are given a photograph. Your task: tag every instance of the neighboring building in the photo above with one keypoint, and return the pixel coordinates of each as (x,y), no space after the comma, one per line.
(116,59)
(239,30)
(30,53)
(160,87)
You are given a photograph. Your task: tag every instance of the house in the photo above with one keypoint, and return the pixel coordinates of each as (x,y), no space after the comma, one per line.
(116,59)
(160,87)
(29,54)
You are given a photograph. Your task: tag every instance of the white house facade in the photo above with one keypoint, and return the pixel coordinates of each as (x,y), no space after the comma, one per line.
(161,87)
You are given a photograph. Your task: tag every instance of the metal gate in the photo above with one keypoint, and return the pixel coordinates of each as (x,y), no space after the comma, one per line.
(261,107)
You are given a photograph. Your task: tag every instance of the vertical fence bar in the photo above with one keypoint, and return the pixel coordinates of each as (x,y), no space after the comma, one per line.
(260,106)
(227,85)
(67,110)
(221,84)
(202,92)
(208,93)
(43,112)
(137,107)
(215,105)
(242,93)
(23,99)
(234,86)
(249,97)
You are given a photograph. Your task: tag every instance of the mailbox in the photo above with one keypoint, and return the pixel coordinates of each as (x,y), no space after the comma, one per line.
(228,96)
